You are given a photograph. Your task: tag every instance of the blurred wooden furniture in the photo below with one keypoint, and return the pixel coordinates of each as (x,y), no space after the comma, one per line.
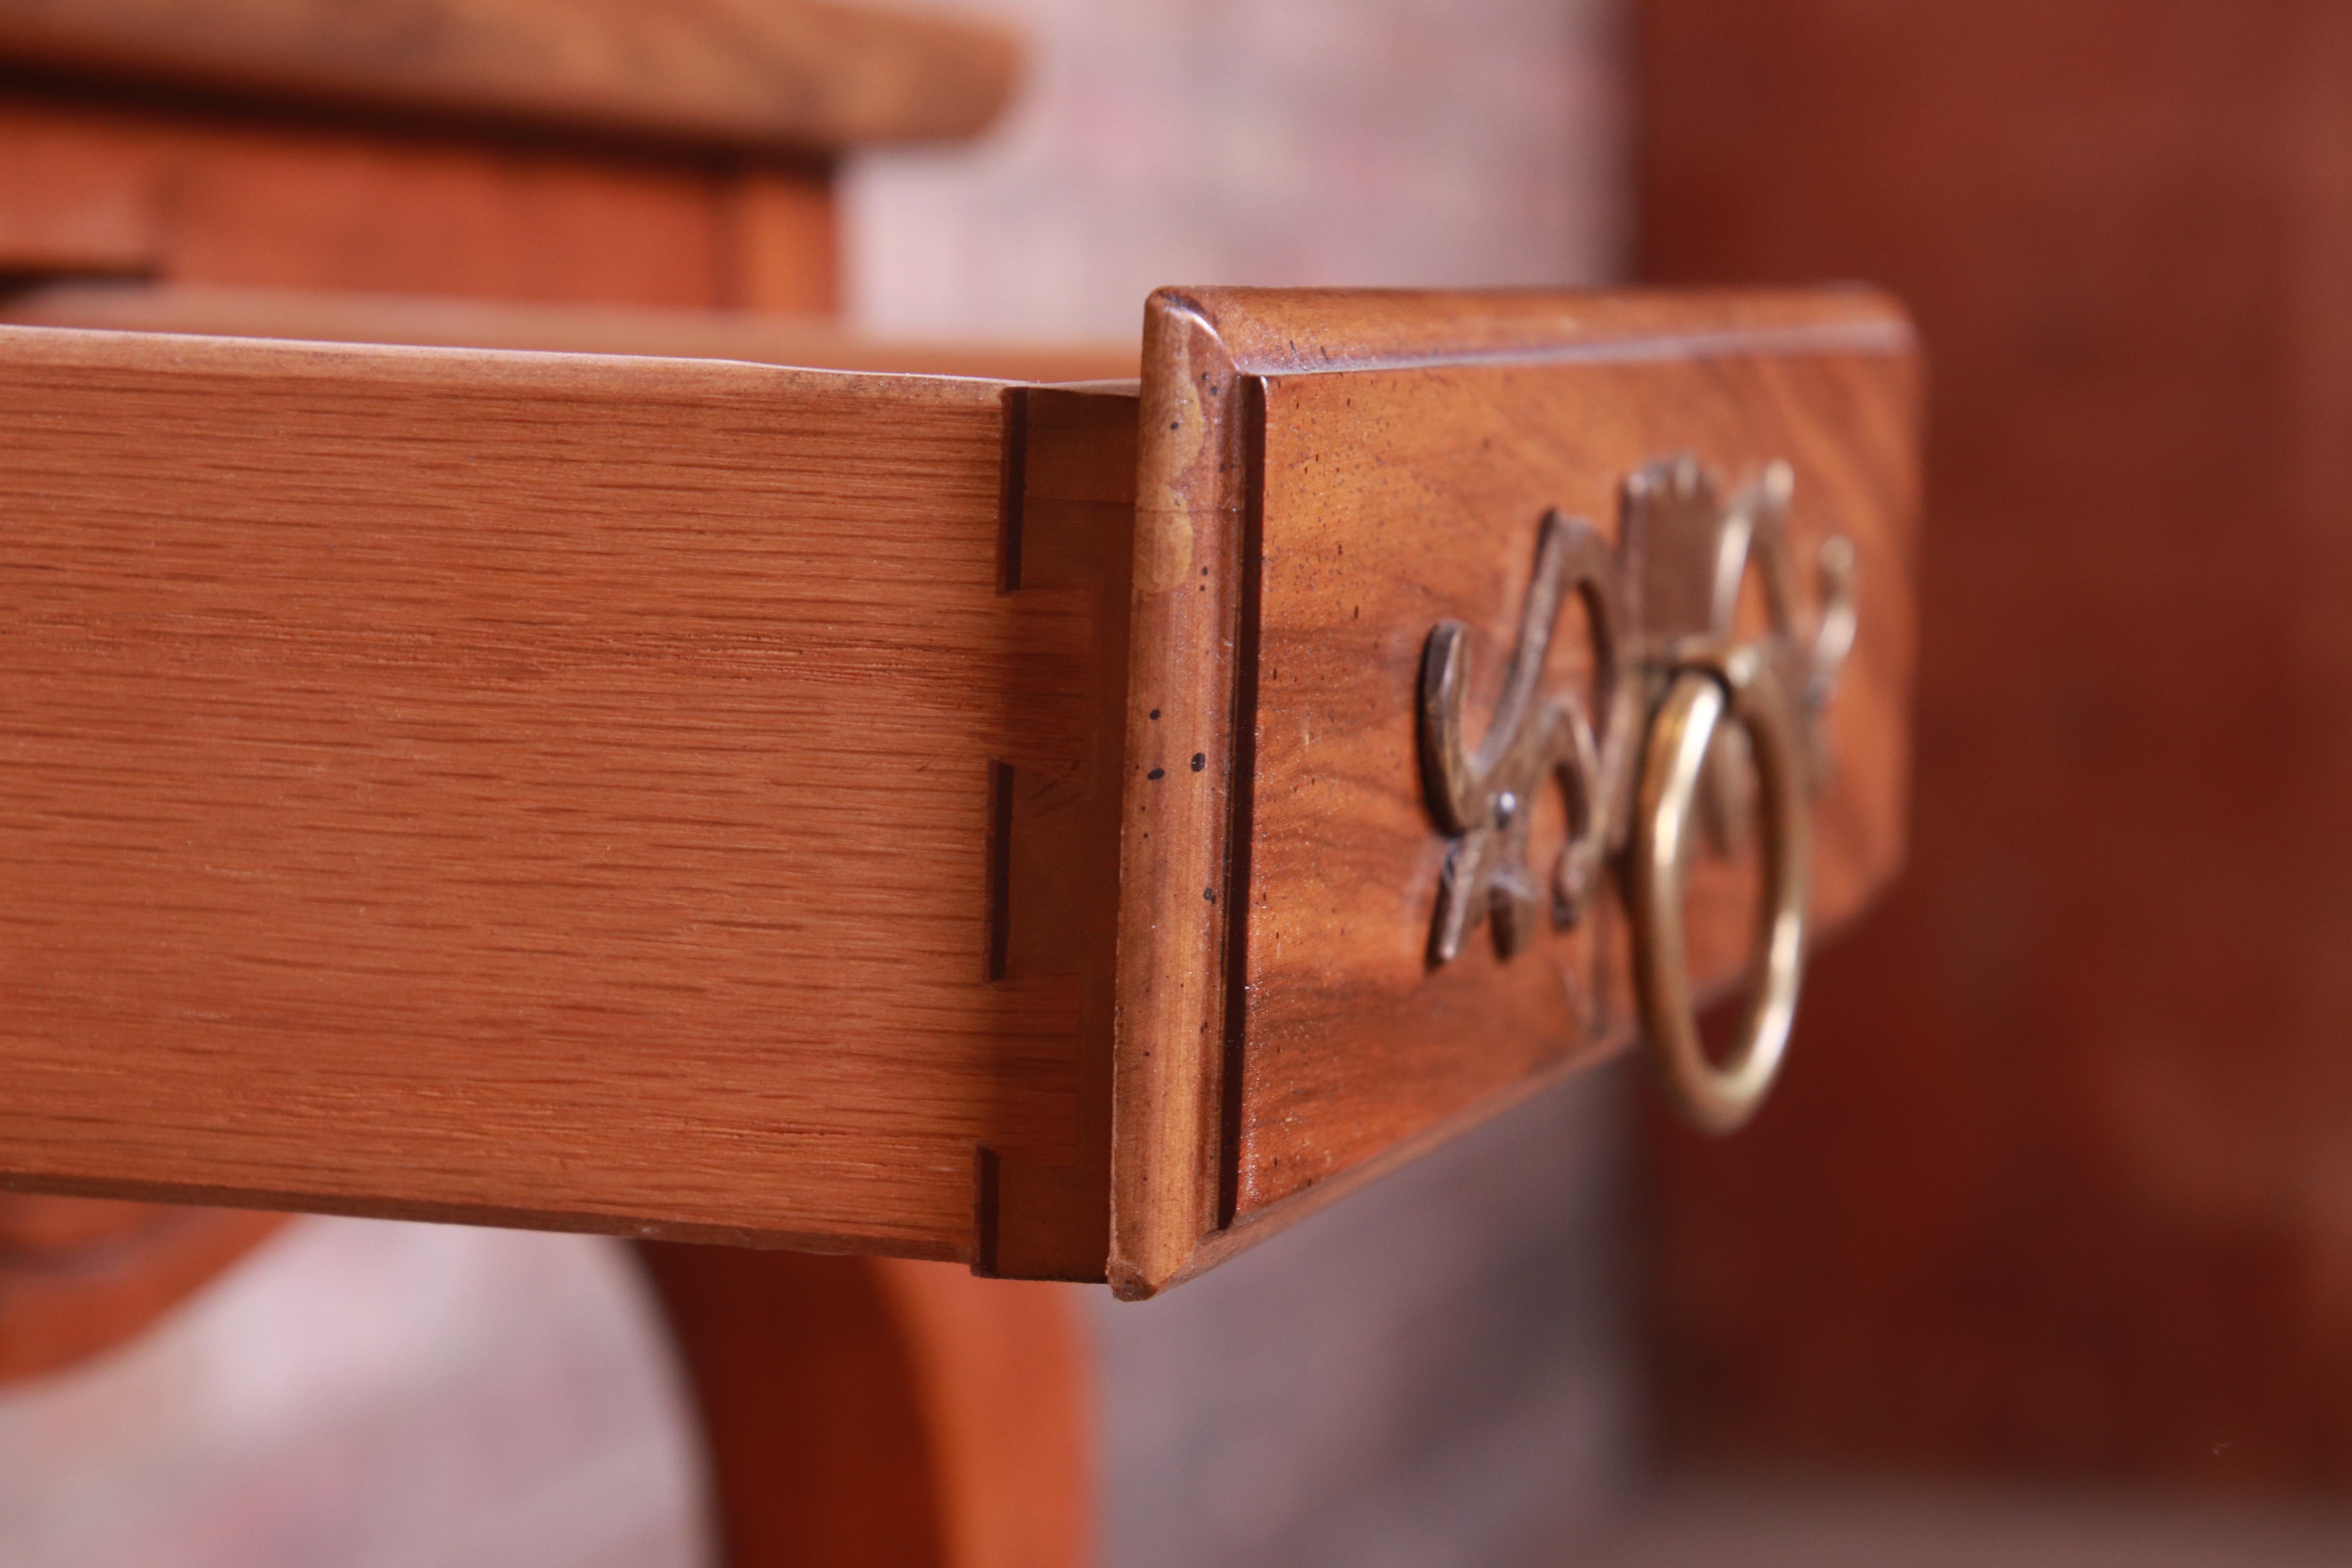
(578,150)
(2056,1183)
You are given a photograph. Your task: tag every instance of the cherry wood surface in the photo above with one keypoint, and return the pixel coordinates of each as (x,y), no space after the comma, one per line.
(710,800)
(1351,1042)
(493,786)
(1324,478)
(103,176)
(795,74)
(324,315)
(857,1410)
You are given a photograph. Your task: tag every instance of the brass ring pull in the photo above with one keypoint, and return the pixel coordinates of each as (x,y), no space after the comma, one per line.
(1708,678)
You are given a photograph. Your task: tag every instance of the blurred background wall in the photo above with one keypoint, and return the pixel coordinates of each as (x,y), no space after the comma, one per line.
(1401,142)
(365,1395)
(2059,1184)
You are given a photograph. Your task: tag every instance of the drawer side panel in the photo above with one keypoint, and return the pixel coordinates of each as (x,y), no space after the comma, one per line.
(538,789)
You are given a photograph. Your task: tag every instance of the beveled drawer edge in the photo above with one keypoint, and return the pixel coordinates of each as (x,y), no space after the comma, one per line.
(1191,666)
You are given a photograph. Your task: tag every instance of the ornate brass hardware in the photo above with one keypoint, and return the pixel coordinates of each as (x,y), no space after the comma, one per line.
(1486,798)
(1710,680)
(1661,606)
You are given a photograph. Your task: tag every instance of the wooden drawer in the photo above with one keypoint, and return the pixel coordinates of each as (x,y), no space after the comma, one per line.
(946,818)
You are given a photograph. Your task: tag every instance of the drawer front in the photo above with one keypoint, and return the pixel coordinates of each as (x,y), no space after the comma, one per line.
(1328,480)
(552,790)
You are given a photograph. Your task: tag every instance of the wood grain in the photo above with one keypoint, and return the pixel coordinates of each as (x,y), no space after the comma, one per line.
(767,74)
(680,797)
(121,187)
(335,316)
(1324,478)
(492,786)
(1165,1147)
(1394,500)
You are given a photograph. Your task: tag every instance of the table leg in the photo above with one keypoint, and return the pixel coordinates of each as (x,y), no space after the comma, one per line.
(883,1412)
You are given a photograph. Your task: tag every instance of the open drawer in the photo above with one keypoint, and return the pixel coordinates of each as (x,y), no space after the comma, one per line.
(1069,829)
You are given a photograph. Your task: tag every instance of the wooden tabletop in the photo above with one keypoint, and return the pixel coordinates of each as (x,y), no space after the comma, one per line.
(779,75)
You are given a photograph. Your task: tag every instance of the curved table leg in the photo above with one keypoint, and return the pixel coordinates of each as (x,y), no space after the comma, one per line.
(79,1276)
(883,1412)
